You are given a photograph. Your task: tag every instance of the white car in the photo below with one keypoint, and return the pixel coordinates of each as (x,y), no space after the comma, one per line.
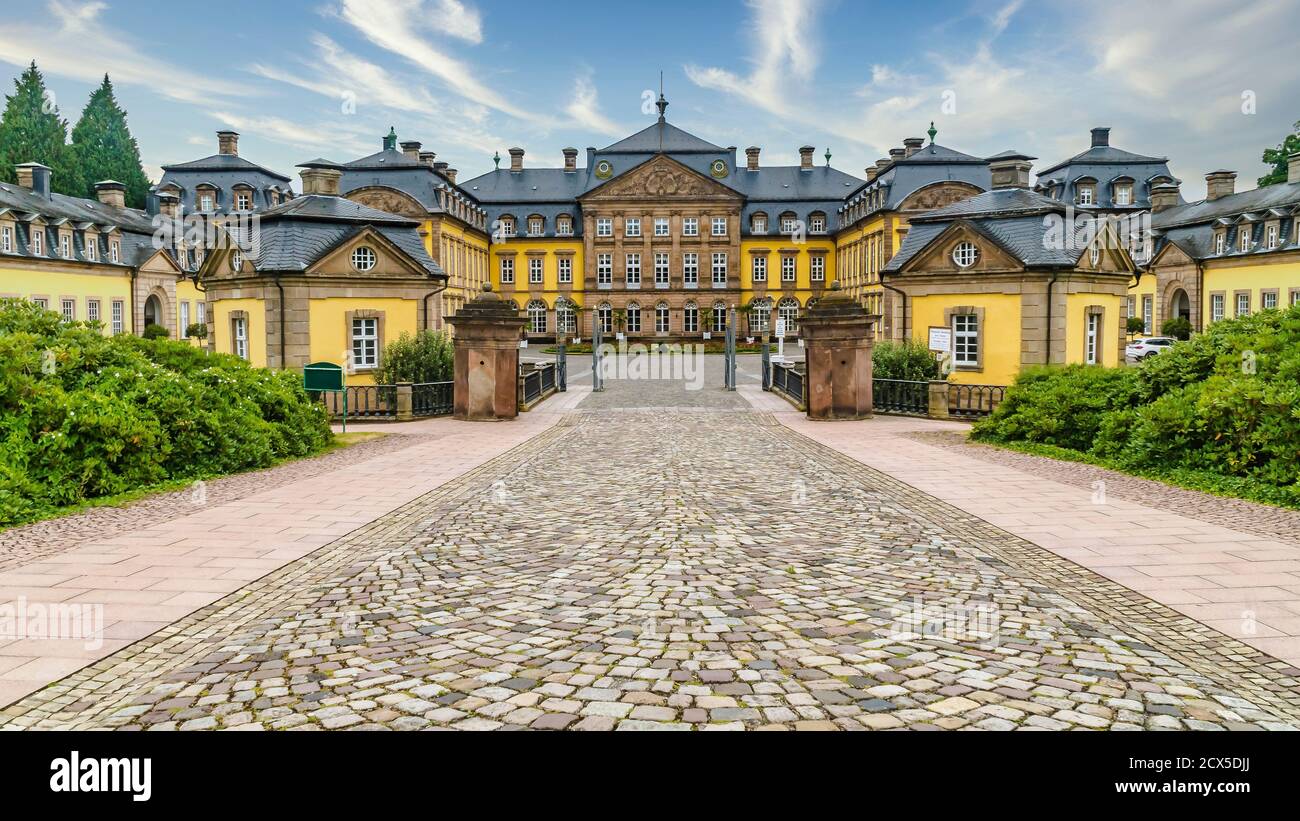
(1152,345)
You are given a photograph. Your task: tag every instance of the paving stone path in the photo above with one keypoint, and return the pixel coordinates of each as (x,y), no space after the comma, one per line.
(677,570)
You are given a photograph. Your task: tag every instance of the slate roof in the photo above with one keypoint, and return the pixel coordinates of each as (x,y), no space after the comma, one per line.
(223,172)
(297,234)
(933,163)
(225,163)
(1192,227)
(136,227)
(663,137)
(1107,165)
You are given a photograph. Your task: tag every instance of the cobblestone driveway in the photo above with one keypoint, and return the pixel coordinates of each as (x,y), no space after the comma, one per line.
(676,571)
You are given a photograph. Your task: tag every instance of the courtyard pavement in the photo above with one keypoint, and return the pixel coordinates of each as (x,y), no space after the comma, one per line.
(655,558)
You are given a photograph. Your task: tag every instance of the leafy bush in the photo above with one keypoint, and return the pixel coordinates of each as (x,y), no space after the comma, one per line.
(908,360)
(197,330)
(1225,403)
(156,332)
(425,357)
(1135,325)
(84,416)
(1178,327)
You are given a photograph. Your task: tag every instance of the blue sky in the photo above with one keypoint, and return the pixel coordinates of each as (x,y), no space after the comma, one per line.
(1200,81)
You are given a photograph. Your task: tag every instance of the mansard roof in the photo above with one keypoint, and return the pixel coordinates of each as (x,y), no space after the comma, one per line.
(662,137)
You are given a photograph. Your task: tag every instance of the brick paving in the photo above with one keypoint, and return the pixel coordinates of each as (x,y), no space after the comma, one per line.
(678,570)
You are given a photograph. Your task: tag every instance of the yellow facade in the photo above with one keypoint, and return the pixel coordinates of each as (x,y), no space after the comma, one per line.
(462,252)
(328,320)
(776,248)
(1000,342)
(1076,328)
(1275,283)
(221,329)
(550,252)
(88,288)
(191,303)
(1142,303)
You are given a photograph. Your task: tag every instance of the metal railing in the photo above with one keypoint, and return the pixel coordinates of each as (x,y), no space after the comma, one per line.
(789,381)
(974,401)
(371,401)
(898,396)
(432,399)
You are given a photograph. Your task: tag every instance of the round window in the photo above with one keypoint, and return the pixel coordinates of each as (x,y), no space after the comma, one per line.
(604,170)
(965,254)
(363,258)
(719,169)
(236,261)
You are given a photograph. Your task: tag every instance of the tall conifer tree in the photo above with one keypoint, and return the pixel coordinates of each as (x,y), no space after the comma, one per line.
(103,148)
(32,131)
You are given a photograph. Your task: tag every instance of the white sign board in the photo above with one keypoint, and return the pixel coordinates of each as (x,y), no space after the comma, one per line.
(941,339)
(780,329)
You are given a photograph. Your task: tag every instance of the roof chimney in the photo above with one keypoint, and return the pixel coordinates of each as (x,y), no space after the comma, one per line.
(411,148)
(896,154)
(169,204)
(751,157)
(1100,137)
(228,143)
(516,159)
(806,157)
(427,158)
(872,171)
(321,177)
(1164,196)
(34,177)
(1010,170)
(913,144)
(1220,184)
(111,193)
(880,164)
(1293,168)
(570,159)
(451,175)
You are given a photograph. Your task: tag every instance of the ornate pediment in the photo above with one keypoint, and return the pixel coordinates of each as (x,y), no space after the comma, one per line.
(661,178)
(939,195)
(937,257)
(389,200)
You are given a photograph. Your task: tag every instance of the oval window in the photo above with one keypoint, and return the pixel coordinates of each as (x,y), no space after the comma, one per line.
(965,254)
(364,259)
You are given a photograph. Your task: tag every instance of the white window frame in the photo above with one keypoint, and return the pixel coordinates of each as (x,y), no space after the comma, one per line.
(967,251)
(118,309)
(719,269)
(690,318)
(633,312)
(604,227)
(92,310)
(1220,241)
(1148,314)
(818,268)
(239,337)
(1087,194)
(1272,234)
(966,340)
(185,319)
(1092,339)
(662,270)
(65,245)
(206,202)
(243,201)
(68,308)
(719,316)
(605,269)
(7,239)
(1217,304)
(1124,194)
(365,343)
(537,317)
(536,226)
(690,226)
(1243,305)
(760,316)
(758,268)
(38,241)
(691,270)
(1244,235)
(789,268)
(536,270)
(663,318)
(817,225)
(758,224)
(507,270)
(1265,297)
(564,270)
(364,258)
(788,309)
(719,228)
(662,227)
(115,250)
(564,226)
(788,224)
(605,316)
(632,227)
(632,270)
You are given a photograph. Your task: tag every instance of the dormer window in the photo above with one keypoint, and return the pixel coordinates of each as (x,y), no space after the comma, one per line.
(507,224)
(788,223)
(758,224)
(564,225)
(536,226)
(115,250)
(1086,193)
(38,241)
(243,201)
(1124,193)
(65,244)
(1243,238)
(207,199)
(1220,241)
(7,239)
(817,223)
(92,247)
(1272,235)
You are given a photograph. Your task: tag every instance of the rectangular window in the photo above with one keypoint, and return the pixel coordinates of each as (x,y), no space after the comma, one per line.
(690,227)
(1243,238)
(65,245)
(966,340)
(818,268)
(114,250)
(662,319)
(365,343)
(632,227)
(605,269)
(1147,318)
(536,226)
(1272,234)
(205,202)
(759,269)
(565,270)
(719,270)
(507,271)
(661,270)
(243,202)
(7,239)
(1220,239)
(788,225)
(1085,195)
(239,334)
(633,319)
(1268,300)
(69,307)
(817,225)
(691,319)
(1093,338)
(119,311)
(1216,307)
(1243,304)
(661,226)
(38,242)
(788,269)
(564,227)
(201,313)
(507,226)
(632,270)
(719,317)
(719,226)
(41,303)
(92,310)
(1124,195)
(691,270)
(535,270)
(1295,297)
(185,320)
(760,225)
(604,227)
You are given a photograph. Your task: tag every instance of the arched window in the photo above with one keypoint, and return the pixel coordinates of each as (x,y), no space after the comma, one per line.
(537,316)
(817,223)
(691,318)
(536,225)
(760,315)
(505,225)
(719,316)
(605,316)
(789,221)
(788,309)
(565,317)
(662,322)
(564,225)
(205,198)
(758,223)
(633,318)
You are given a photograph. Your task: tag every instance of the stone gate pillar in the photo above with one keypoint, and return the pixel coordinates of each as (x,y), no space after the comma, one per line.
(486,370)
(838,335)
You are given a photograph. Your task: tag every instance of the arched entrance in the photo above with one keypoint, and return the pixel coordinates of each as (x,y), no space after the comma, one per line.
(153,312)
(1180,306)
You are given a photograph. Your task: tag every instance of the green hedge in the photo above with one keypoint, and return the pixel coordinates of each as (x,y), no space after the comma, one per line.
(84,416)
(907,360)
(1224,403)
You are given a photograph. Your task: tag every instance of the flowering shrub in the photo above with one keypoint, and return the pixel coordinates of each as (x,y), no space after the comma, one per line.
(85,416)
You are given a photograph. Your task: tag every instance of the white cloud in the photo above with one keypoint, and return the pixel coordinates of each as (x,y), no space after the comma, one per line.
(785,56)
(459,20)
(329,138)
(346,77)
(584,108)
(69,49)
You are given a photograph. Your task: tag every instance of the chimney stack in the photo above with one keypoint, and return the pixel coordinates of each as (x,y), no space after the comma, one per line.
(228,143)
(1100,137)
(321,177)
(1220,184)
(896,154)
(913,144)
(516,159)
(570,159)
(1164,196)
(872,171)
(1293,168)
(111,193)
(427,158)
(451,175)
(880,165)
(806,157)
(34,177)
(751,157)
(1010,170)
(169,205)
(441,167)
(411,148)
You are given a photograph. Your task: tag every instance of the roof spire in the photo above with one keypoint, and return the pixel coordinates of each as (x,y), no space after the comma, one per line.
(662,105)
(496,159)
(390,141)
(828,156)
(933,132)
